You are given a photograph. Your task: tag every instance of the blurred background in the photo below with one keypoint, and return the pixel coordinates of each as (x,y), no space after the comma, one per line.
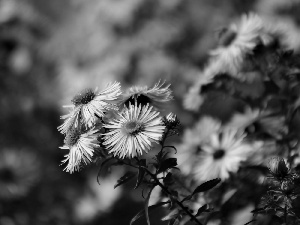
(51,50)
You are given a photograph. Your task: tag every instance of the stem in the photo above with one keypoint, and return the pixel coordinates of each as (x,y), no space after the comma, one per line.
(193,218)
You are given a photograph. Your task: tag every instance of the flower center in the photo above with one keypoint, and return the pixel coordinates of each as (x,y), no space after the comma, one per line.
(219,154)
(139,98)
(84,98)
(132,127)
(6,175)
(72,137)
(226,37)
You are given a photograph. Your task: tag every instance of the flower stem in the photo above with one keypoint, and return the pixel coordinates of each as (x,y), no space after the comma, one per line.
(185,209)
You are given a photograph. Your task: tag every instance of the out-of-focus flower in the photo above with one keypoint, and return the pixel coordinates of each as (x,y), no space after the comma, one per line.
(202,130)
(237,41)
(194,99)
(90,104)
(155,96)
(242,120)
(19,171)
(81,146)
(133,131)
(192,139)
(221,154)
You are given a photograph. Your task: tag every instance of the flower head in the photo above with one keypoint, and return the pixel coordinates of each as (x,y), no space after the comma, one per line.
(237,41)
(89,105)
(133,131)
(155,96)
(81,146)
(221,154)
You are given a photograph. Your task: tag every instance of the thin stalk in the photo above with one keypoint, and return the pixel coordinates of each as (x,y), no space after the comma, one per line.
(193,218)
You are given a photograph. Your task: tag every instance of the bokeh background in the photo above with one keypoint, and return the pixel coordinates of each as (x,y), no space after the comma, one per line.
(51,50)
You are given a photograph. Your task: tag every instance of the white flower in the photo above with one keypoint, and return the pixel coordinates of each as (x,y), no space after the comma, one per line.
(192,139)
(236,42)
(90,104)
(221,154)
(81,146)
(132,133)
(194,99)
(155,96)
(242,120)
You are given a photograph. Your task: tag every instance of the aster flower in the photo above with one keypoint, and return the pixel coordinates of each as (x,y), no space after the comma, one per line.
(133,131)
(237,41)
(242,120)
(155,96)
(19,171)
(88,105)
(81,148)
(192,139)
(194,98)
(221,154)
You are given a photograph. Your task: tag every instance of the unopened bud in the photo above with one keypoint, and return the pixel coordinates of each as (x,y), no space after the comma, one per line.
(278,167)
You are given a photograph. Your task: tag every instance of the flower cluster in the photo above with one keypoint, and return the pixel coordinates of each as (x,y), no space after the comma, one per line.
(109,121)
(246,102)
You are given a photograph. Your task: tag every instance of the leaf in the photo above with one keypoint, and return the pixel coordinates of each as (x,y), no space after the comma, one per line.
(125,178)
(167,164)
(151,208)
(172,215)
(101,167)
(207,185)
(174,221)
(169,180)
(141,173)
(201,210)
(249,222)
(258,211)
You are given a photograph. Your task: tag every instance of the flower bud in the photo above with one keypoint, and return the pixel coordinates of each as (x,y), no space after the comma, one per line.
(278,167)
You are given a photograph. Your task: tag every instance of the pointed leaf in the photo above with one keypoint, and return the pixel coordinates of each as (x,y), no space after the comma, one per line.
(146,206)
(141,173)
(174,221)
(125,178)
(101,167)
(142,213)
(167,164)
(172,215)
(249,222)
(169,180)
(207,185)
(201,210)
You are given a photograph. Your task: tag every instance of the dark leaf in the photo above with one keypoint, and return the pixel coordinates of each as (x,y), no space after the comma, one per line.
(125,178)
(172,215)
(201,210)
(259,210)
(101,167)
(146,208)
(207,185)
(174,221)
(169,180)
(167,164)
(249,222)
(141,173)
(151,208)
